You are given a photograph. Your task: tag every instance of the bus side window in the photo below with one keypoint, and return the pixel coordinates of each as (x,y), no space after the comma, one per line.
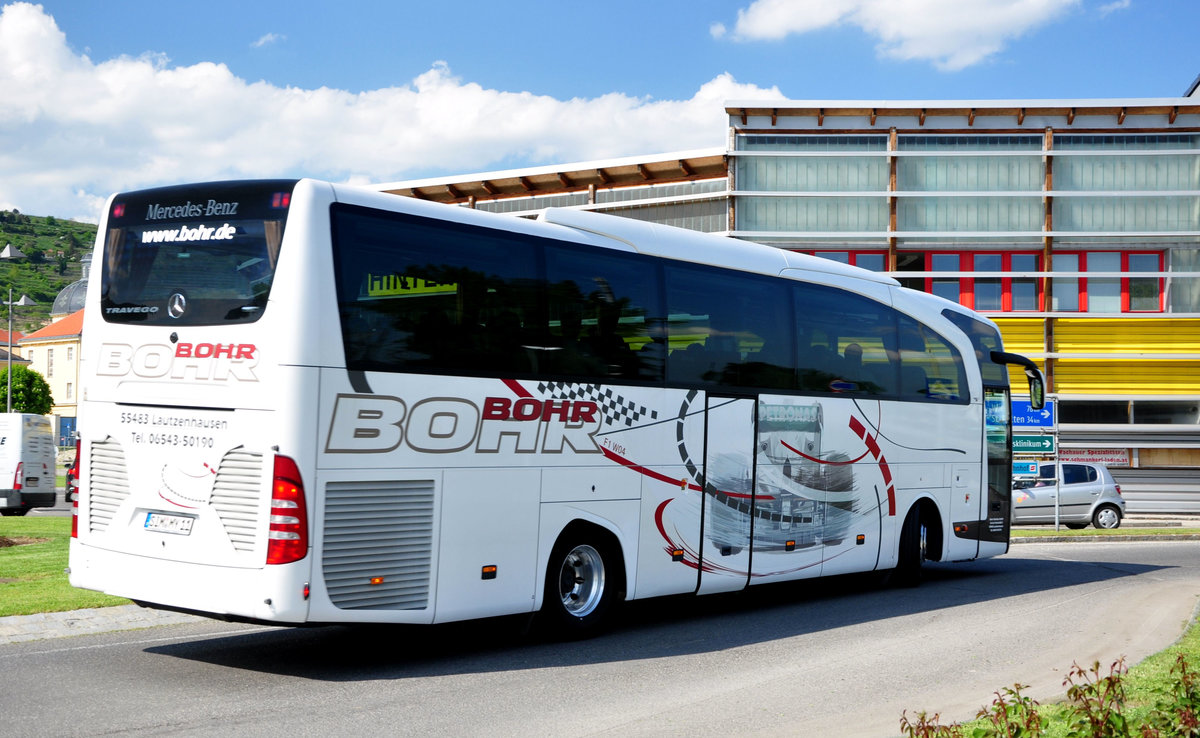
(930,367)
(744,338)
(419,295)
(602,313)
(846,342)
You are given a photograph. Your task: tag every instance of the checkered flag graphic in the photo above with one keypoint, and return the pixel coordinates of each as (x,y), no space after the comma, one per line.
(617,410)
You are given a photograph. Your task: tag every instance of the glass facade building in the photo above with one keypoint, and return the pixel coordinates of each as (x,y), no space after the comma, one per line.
(1075,225)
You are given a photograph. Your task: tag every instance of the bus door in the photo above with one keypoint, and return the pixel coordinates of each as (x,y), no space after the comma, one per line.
(727,527)
(967,502)
(997,423)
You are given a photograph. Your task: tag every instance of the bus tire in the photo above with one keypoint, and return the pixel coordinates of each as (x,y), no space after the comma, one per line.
(583,584)
(913,549)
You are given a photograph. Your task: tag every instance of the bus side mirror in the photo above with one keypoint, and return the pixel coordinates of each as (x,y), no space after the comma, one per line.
(1037,389)
(1037,383)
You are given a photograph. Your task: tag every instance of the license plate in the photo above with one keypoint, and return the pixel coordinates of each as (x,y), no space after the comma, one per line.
(180,525)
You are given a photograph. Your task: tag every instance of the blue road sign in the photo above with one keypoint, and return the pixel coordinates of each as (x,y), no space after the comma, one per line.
(1024,416)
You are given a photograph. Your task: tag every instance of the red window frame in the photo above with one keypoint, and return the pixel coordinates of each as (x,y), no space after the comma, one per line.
(1126,297)
(1126,300)
(852,255)
(966,285)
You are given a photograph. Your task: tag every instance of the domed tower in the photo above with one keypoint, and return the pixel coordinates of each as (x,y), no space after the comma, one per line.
(72,296)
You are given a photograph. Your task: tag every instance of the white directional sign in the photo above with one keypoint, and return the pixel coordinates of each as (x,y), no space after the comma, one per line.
(1025,468)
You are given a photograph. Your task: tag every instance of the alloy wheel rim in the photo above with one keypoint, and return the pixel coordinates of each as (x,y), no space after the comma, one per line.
(581,581)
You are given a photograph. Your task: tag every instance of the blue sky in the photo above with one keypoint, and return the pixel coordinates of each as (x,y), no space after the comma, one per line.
(99,97)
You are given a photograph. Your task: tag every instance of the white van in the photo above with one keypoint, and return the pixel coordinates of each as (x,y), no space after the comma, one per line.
(27,474)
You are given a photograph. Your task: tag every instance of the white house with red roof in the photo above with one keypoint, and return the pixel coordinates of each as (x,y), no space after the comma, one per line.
(53,352)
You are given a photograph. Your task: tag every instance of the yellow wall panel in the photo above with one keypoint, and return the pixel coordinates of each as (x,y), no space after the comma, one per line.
(1129,335)
(1022,335)
(1018,383)
(1120,336)
(1128,377)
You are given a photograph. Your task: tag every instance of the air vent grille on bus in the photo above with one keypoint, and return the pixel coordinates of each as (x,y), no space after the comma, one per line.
(236,497)
(108,483)
(378,544)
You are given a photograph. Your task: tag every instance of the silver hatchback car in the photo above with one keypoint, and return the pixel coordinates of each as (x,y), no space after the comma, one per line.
(1087,494)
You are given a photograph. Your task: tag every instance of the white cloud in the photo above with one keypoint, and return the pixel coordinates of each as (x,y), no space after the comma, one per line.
(951,34)
(1108,8)
(73,130)
(267,39)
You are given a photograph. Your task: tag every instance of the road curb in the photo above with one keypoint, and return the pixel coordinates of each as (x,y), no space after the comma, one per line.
(1106,539)
(22,628)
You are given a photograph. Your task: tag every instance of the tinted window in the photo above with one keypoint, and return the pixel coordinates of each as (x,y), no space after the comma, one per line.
(605,319)
(984,339)
(1077,474)
(728,328)
(424,295)
(421,295)
(846,342)
(193,255)
(930,367)
(851,344)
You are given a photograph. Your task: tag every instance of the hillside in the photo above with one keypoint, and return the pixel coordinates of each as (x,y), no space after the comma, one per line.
(52,249)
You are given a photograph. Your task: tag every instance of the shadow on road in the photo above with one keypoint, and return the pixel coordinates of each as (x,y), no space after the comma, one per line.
(652,629)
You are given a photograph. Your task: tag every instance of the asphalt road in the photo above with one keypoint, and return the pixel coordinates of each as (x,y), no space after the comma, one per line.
(61,509)
(832,657)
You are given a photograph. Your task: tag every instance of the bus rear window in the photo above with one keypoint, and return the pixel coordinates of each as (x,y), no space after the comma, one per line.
(204,256)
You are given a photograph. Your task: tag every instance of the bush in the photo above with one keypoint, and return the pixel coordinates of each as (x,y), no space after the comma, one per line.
(1096,709)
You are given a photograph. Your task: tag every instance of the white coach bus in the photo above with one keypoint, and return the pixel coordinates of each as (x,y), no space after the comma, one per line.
(310,403)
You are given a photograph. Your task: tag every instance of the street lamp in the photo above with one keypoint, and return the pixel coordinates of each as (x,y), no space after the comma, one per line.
(12,253)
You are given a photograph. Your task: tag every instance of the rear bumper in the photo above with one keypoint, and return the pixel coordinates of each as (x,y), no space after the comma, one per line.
(16,500)
(268,594)
(39,499)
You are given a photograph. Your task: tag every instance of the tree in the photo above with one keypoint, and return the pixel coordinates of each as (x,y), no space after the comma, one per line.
(30,392)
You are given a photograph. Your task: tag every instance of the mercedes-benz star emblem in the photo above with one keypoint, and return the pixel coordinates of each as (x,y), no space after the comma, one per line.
(176,305)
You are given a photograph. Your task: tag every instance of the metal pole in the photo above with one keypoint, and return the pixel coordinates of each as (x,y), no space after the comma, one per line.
(10,254)
(10,309)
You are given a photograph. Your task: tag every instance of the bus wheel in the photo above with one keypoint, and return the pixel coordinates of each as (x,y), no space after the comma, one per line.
(913,547)
(582,585)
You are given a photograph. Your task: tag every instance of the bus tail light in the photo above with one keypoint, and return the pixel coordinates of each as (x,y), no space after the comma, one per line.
(72,490)
(287,535)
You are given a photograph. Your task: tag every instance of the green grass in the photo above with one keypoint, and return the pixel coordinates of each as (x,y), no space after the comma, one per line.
(32,579)
(1146,685)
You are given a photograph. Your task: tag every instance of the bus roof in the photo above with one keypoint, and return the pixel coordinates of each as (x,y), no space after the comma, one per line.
(706,248)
